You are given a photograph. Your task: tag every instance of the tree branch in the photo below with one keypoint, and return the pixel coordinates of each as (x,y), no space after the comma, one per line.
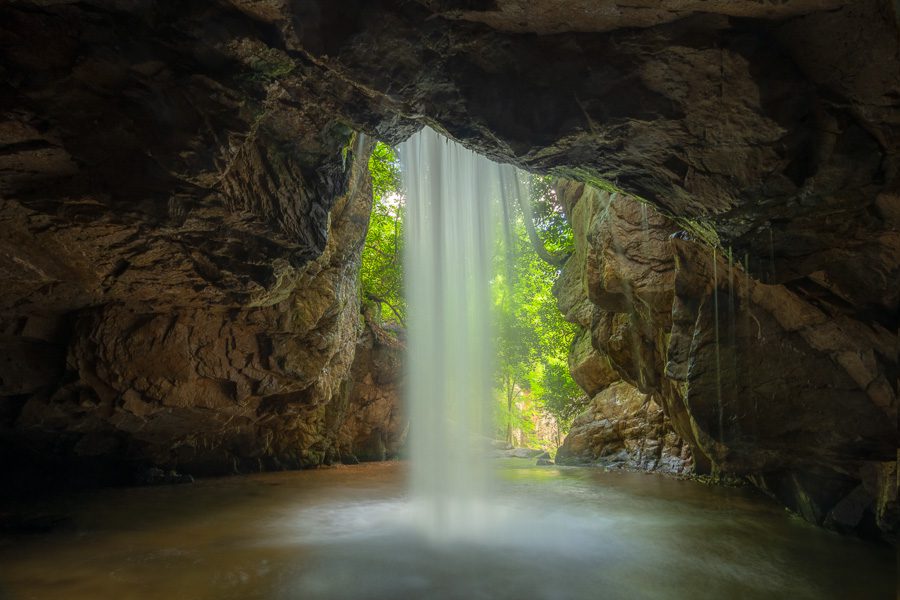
(557,260)
(394,310)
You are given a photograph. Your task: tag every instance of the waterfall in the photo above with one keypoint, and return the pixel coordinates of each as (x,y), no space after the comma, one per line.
(451,196)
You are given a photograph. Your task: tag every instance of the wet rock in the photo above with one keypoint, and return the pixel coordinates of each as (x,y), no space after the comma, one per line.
(349,459)
(155,476)
(784,384)
(621,278)
(518,453)
(213,390)
(543,459)
(624,428)
(375,425)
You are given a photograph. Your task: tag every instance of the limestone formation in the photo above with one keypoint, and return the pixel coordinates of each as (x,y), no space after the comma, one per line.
(212,390)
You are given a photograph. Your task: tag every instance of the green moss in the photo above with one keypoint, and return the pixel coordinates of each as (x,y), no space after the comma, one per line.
(591,178)
(264,66)
(347,147)
(700,229)
(271,64)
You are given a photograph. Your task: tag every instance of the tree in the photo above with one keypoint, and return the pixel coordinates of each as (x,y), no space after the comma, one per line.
(515,346)
(533,338)
(541,210)
(381,273)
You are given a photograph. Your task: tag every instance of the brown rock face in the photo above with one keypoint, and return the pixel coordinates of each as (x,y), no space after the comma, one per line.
(737,121)
(624,428)
(183,210)
(616,283)
(782,385)
(376,425)
(772,382)
(213,390)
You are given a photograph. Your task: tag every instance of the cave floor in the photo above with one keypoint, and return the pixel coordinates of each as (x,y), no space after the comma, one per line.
(345,532)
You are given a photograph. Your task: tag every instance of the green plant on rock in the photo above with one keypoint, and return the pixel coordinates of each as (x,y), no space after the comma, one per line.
(271,64)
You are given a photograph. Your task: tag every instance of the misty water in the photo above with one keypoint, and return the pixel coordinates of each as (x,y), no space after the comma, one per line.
(345,533)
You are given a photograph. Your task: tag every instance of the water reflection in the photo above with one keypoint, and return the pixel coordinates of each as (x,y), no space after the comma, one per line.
(348,533)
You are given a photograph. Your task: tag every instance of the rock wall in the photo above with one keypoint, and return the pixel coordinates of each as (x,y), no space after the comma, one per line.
(770,382)
(624,429)
(763,133)
(208,390)
(737,119)
(376,424)
(183,208)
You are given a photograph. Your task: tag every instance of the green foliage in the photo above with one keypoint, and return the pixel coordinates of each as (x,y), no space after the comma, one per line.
(384,167)
(533,338)
(549,218)
(381,274)
(271,64)
(559,393)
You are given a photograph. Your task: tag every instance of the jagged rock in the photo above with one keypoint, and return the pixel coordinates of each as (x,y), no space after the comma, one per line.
(590,369)
(724,118)
(779,383)
(517,453)
(213,390)
(623,428)
(621,278)
(543,460)
(375,425)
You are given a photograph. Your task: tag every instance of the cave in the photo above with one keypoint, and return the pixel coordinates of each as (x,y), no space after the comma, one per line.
(186,195)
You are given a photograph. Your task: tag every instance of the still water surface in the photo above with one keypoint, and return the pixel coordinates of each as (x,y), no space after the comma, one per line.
(346,533)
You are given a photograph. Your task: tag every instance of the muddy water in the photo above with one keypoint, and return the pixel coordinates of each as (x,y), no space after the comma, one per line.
(346,533)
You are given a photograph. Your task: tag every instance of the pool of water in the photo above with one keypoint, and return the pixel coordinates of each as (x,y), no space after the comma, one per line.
(349,532)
